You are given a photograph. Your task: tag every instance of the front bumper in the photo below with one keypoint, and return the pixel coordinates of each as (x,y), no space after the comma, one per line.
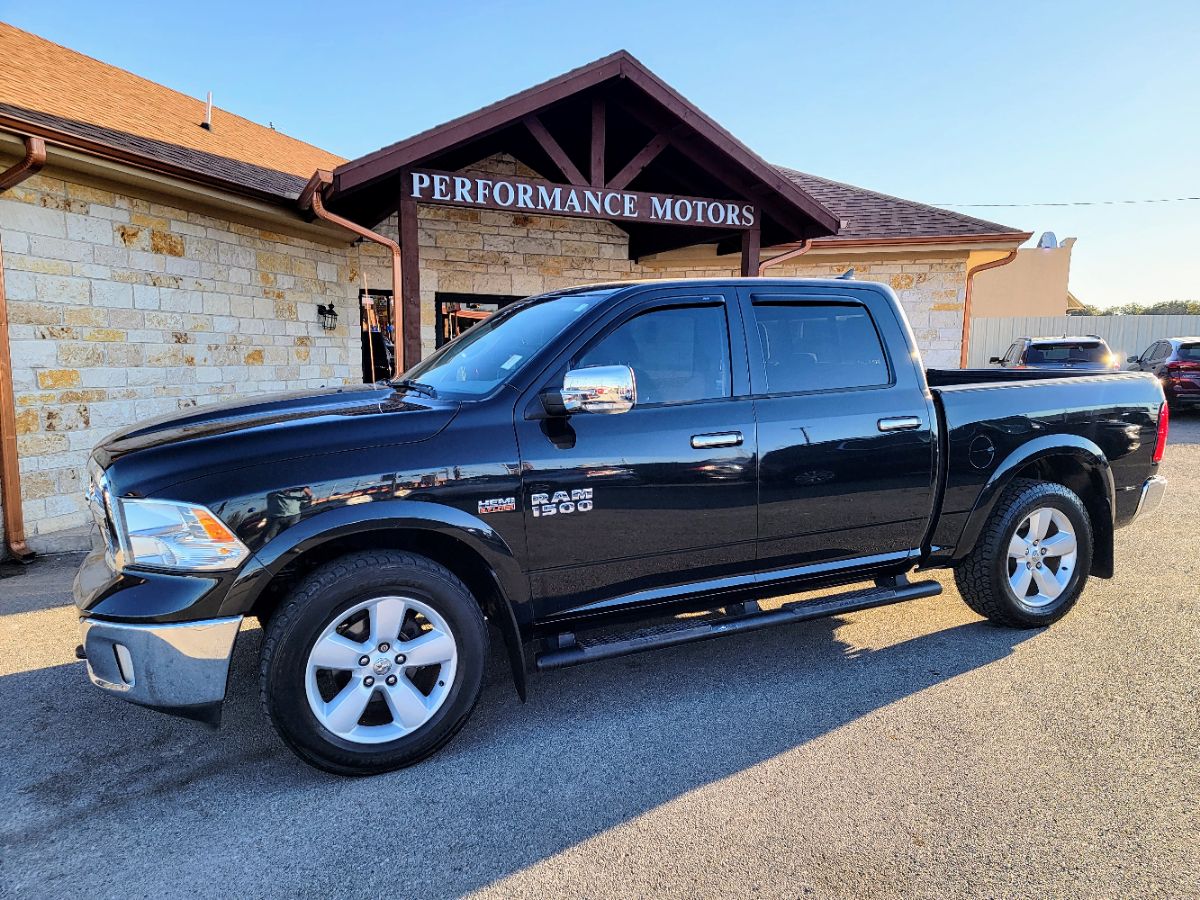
(1152,493)
(180,668)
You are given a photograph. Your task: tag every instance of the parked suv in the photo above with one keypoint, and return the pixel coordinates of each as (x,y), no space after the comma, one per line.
(1176,362)
(1089,352)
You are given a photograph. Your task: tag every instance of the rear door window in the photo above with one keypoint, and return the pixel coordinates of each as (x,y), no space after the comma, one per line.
(819,347)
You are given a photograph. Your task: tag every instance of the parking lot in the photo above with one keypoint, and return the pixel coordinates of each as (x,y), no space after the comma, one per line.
(908,750)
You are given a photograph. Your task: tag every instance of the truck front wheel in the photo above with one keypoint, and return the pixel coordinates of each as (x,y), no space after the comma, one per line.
(1032,559)
(373,662)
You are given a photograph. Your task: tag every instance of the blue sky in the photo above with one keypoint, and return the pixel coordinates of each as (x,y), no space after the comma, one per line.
(1018,102)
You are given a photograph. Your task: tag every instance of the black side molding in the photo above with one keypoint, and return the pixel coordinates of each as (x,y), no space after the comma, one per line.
(571,650)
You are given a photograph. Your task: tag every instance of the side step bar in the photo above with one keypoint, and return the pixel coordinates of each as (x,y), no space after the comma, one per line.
(572,650)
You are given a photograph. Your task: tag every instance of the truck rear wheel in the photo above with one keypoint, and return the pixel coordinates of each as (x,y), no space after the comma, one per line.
(373,662)
(1032,559)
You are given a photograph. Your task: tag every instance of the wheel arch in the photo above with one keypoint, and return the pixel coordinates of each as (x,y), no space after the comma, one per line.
(1072,461)
(468,547)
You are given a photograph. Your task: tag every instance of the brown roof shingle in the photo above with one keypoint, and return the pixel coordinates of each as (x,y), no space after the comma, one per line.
(37,74)
(870,215)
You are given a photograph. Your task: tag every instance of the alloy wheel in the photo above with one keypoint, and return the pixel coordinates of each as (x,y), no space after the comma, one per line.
(381,670)
(1041,557)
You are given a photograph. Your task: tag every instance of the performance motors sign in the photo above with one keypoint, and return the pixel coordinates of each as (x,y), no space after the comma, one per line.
(531,196)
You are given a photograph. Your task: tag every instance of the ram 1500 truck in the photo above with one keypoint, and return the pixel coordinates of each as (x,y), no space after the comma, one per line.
(579,471)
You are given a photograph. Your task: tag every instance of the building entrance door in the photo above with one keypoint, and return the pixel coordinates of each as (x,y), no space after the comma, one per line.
(458,312)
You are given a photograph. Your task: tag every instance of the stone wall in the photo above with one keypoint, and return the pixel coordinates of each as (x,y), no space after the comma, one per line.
(122,308)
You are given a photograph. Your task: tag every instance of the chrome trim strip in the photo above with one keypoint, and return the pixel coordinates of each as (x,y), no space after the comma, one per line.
(186,664)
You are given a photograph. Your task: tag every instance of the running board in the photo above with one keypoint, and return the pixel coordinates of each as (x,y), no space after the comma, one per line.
(572,650)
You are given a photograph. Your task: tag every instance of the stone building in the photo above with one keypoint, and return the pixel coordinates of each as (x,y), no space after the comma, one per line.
(157,256)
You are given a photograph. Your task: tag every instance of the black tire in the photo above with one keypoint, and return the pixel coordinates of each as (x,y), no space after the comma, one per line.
(983,576)
(331,590)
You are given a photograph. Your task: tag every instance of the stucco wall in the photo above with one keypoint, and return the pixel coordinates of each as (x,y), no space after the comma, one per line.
(1033,284)
(122,308)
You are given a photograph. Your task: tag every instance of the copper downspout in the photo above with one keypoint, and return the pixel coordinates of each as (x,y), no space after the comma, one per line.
(966,330)
(311,196)
(784,257)
(10,469)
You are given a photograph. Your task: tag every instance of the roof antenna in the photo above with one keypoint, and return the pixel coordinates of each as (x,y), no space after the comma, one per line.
(207,123)
(848,275)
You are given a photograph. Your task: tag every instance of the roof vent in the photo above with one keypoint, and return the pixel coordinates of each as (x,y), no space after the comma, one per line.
(207,123)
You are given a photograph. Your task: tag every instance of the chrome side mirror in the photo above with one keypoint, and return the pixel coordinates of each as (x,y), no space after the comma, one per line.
(599,389)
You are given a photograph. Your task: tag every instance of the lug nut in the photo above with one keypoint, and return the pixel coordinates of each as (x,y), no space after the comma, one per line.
(368,681)
(364,660)
(1043,551)
(391,680)
(1039,565)
(400,658)
(384,647)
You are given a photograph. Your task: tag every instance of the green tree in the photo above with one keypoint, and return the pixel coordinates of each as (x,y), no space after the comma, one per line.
(1163,308)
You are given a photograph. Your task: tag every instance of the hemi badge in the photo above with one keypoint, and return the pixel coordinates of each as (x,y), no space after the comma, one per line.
(498,504)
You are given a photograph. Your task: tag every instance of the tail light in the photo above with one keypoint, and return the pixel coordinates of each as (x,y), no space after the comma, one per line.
(1175,369)
(1164,425)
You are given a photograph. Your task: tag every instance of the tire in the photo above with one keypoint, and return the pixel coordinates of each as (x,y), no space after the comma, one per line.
(990,576)
(323,658)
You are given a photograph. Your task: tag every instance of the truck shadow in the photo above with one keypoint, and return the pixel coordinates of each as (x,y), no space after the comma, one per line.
(594,747)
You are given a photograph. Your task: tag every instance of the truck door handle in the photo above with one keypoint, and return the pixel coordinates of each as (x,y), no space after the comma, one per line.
(722,439)
(899,423)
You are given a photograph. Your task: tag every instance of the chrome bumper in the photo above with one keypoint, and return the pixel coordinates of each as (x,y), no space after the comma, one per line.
(1152,494)
(180,668)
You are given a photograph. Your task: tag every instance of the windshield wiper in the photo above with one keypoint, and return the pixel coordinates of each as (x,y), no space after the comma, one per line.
(417,387)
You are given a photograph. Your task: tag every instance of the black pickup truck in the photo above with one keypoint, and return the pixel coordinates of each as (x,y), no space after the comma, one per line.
(579,471)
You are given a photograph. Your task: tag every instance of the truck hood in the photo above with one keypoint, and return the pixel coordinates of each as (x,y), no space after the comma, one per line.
(274,428)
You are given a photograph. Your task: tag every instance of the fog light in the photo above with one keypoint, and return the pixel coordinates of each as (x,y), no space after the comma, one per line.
(124,663)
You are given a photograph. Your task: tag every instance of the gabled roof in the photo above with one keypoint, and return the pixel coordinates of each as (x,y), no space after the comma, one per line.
(869,215)
(39,75)
(717,159)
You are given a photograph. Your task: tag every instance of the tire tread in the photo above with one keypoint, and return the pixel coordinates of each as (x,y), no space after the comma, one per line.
(973,575)
(310,588)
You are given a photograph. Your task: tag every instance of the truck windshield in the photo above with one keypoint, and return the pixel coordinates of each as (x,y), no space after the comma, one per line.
(497,348)
(1067,353)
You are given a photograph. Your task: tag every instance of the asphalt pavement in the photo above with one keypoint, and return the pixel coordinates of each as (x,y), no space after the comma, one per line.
(912,750)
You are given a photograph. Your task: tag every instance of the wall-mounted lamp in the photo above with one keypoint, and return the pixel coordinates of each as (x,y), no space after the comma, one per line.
(327,315)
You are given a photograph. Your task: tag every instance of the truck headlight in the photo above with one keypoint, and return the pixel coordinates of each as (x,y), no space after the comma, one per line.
(169,535)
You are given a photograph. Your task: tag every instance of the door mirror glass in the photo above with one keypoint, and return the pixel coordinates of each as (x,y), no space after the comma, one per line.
(1133,359)
(995,360)
(599,389)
